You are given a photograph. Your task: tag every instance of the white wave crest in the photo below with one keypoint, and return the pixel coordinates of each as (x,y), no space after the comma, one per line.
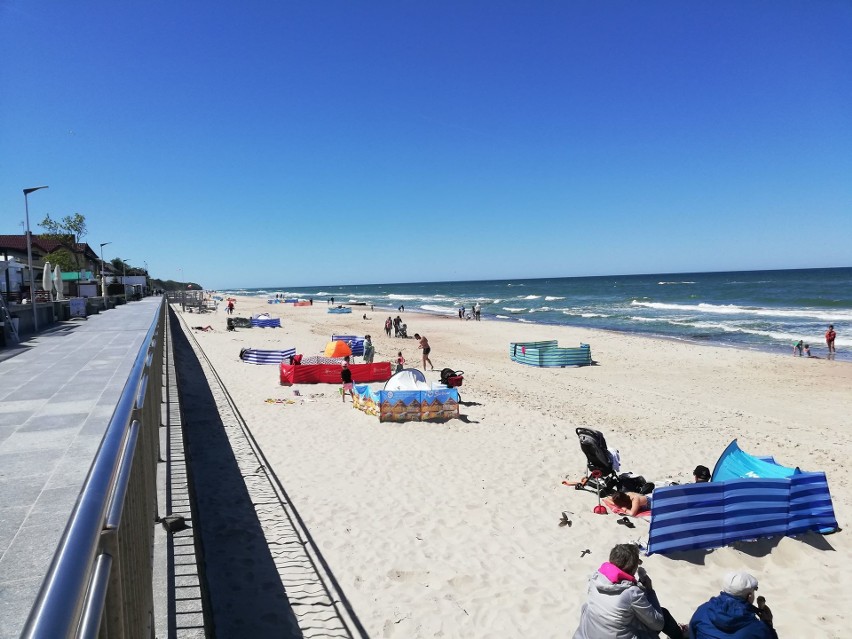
(551,298)
(396,296)
(733,309)
(443,310)
(513,310)
(665,283)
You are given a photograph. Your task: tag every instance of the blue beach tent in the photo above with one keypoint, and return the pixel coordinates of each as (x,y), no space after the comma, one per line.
(748,497)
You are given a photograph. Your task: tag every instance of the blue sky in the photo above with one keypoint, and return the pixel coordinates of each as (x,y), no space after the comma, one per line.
(273,143)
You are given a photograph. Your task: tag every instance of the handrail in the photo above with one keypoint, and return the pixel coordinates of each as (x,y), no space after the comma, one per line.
(62,601)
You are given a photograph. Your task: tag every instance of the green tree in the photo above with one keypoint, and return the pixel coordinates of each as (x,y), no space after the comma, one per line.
(68,231)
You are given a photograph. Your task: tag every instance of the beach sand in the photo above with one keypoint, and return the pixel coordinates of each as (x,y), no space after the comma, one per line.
(451,530)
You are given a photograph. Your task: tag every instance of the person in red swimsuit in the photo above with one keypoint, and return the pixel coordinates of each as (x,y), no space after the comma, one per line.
(829,338)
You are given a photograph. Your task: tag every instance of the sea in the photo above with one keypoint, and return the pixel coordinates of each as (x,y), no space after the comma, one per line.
(760,310)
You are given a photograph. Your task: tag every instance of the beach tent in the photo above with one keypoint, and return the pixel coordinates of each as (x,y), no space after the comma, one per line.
(337,348)
(408,397)
(735,463)
(407,379)
(749,497)
(355,343)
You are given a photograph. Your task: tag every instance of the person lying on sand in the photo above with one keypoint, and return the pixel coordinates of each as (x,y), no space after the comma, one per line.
(203,328)
(631,503)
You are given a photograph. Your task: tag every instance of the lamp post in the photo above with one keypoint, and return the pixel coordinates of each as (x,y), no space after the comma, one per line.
(30,255)
(103,277)
(124,277)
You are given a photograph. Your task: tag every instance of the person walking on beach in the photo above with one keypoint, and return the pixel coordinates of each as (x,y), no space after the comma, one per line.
(388,325)
(477,309)
(369,350)
(230,307)
(424,344)
(829,339)
(400,362)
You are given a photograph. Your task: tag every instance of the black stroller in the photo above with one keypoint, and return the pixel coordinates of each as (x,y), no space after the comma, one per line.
(601,476)
(402,330)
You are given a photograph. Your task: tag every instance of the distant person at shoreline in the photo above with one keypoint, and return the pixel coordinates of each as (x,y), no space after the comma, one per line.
(477,311)
(401,308)
(798,347)
(829,339)
(424,344)
(808,352)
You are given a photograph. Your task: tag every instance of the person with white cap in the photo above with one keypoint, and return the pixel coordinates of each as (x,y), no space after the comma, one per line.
(732,614)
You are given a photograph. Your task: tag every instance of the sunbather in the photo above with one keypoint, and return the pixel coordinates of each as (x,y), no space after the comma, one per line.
(632,503)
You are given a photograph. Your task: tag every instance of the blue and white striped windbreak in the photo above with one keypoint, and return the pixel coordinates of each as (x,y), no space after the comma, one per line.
(257,356)
(274,322)
(718,513)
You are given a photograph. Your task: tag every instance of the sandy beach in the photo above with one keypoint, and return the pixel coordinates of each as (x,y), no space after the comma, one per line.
(451,530)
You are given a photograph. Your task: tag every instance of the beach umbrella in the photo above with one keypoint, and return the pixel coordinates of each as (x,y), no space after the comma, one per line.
(47,279)
(57,282)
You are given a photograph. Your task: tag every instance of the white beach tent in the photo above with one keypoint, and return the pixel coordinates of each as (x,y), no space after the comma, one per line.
(408,379)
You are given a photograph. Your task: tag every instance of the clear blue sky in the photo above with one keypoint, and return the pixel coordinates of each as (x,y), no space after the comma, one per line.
(274,143)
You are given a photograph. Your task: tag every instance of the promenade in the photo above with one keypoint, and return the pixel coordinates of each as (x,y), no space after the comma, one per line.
(58,390)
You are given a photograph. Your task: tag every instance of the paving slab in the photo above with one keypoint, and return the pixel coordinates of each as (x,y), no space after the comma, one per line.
(59,390)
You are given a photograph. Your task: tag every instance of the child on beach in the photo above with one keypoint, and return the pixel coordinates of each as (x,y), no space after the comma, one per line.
(346,377)
(400,362)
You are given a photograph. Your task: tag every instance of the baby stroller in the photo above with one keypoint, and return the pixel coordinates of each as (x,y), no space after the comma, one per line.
(451,378)
(403,330)
(602,476)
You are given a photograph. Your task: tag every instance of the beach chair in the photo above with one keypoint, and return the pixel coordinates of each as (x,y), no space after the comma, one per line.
(602,476)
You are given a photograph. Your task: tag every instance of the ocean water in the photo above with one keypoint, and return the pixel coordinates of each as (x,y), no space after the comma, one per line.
(764,310)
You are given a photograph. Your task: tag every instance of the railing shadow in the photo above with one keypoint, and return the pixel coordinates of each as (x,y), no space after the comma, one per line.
(238,571)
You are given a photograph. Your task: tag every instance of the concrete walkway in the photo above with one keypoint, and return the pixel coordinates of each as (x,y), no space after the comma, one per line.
(58,391)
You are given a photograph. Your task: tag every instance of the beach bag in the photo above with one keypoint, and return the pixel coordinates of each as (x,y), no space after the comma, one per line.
(632,483)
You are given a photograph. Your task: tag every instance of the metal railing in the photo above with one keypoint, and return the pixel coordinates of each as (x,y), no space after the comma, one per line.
(99,583)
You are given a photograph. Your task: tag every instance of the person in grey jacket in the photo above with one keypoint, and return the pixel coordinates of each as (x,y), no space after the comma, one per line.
(620,606)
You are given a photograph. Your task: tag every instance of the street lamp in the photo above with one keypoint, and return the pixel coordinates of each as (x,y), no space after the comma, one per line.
(30,255)
(124,277)
(103,278)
